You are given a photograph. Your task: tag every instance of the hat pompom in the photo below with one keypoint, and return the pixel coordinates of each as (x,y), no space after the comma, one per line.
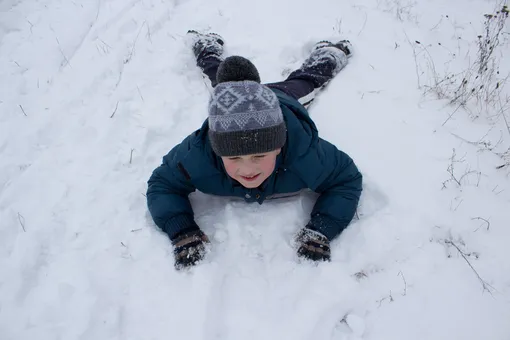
(237,68)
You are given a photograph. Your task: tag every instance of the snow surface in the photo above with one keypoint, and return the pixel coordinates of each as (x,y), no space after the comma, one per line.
(94,93)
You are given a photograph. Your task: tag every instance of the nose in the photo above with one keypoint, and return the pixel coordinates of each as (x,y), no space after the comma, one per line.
(246,169)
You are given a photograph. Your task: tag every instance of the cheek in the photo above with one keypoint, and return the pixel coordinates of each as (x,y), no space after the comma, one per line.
(231,168)
(267,166)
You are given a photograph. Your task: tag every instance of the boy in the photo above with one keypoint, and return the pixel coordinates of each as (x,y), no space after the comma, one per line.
(258,143)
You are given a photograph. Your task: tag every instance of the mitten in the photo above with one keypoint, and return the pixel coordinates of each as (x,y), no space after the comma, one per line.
(189,248)
(313,245)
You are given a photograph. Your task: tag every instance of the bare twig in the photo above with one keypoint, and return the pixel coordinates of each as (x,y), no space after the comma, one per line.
(21,220)
(405,283)
(499,192)
(486,286)
(451,169)
(458,205)
(482,219)
(144,195)
(467,174)
(31,26)
(21,107)
(130,55)
(131,157)
(440,21)
(97,13)
(389,297)
(148,35)
(364,24)
(66,61)
(451,115)
(415,59)
(135,230)
(122,244)
(116,106)
(140,93)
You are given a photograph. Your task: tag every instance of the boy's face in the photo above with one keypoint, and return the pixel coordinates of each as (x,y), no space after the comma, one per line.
(251,170)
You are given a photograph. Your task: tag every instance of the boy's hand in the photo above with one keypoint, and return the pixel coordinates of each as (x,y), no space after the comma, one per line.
(313,245)
(189,248)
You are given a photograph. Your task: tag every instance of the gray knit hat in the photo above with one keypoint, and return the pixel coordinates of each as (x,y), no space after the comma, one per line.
(244,116)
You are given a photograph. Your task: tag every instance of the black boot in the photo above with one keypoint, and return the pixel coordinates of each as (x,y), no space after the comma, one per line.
(324,62)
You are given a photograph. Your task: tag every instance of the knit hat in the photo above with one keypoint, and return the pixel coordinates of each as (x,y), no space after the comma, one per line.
(244,116)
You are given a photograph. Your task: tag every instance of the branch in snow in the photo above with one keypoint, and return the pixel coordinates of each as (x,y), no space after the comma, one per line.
(131,157)
(31,26)
(116,106)
(405,283)
(499,192)
(66,61)
(458,205)
(148,35)
(364,24)
(415,59)
(485,222)
(130,55)
(21,220)
(451,171)
(21,107)
(389,297)
(486,286)
(140,93)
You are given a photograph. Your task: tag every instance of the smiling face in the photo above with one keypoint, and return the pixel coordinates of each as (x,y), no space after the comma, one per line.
(251,170)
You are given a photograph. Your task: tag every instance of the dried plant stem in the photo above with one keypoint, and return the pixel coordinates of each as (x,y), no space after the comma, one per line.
(21,107)
(116,106)
(21,220)
(482,219)
(405,282)
(485,285)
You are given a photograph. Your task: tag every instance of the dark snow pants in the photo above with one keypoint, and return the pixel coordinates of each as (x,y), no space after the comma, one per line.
(302,84)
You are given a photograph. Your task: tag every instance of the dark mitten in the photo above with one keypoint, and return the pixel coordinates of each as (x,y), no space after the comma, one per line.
(189,248)
(313,245)
(206,44)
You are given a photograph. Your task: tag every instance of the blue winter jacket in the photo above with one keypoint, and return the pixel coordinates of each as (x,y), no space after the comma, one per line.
(306,161)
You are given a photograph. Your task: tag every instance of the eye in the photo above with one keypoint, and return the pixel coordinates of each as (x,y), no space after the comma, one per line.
(260,156)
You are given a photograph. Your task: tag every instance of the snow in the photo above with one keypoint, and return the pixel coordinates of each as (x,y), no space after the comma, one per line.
(94,93)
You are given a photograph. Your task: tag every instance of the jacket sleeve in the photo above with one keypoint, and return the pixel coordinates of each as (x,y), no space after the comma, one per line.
(167,193)
(339,185)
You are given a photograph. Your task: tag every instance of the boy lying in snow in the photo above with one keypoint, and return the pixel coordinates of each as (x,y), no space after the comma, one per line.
(258,143)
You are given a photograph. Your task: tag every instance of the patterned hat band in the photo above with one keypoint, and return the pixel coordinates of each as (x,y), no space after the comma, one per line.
(245,118)
(249,142)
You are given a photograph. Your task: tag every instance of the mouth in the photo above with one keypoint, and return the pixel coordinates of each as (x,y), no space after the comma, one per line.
(250,178)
